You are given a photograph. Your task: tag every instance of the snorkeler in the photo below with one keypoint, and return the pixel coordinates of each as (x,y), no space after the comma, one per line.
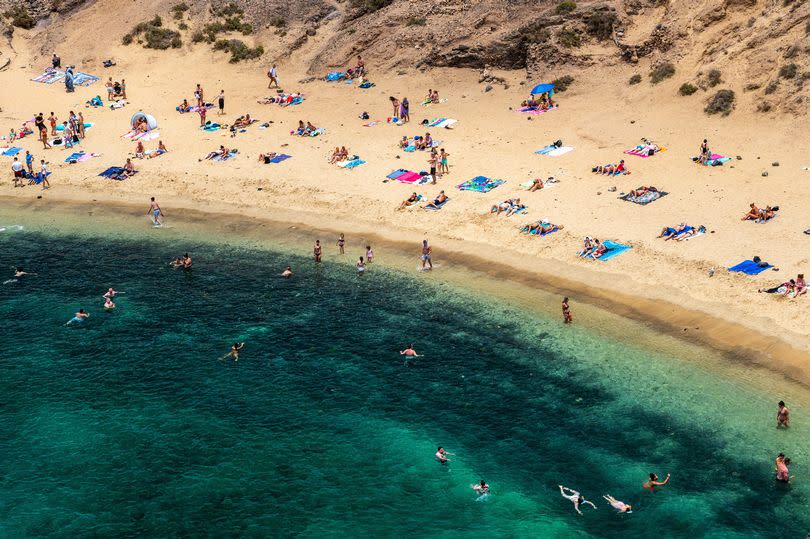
(782,416)
(441,455)
(574,497)
(410,352)
(19,272)
(108,303)
(80,317)
(287,273)
(481,488)
(621,507)
(234,353)
(654,482)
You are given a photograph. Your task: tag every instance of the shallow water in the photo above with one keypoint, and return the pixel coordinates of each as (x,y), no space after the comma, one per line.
(131,424)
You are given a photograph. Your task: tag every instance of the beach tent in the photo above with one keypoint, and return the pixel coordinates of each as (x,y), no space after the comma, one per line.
(150,120)
(542,88)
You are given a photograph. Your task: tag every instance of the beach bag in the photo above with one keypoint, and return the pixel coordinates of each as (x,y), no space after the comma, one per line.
(364,116)
(557,143)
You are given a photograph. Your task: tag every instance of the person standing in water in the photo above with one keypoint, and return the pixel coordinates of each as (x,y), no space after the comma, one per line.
(235,348)
(316,251)
(110,293)
(575,497)
(154,209)
(108,303)
(782,416)
(409,352)
(481,488)
(566,310)
(361,266)
(186,261)
(653,482)
(782,474)
(287,273)
(441,455)
(427,252)
(341,243)
(79,317)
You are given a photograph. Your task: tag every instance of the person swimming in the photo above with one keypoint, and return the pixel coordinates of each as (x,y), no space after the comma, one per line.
(654,482)
(176,263)
(575,497)
(621,507)
(287,273)
(410,352)
(110,293)
(186,261)
(79,317)
(108,303)
(481,488)
(235,348)
(20,272)
(441,455)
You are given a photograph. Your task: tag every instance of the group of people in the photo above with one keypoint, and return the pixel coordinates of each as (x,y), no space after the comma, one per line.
(181,262)
(116,90)
(142,153)
(792,288)
(400,109)
(611,169)
(305,129)
(418,142)
(760,215)
(543,102)
(340,154)
(432,97)
(681,232)
(21,173)
(509,206)
(592,248)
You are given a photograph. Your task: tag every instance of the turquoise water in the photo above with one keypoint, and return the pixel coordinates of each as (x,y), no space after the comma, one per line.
(132,425)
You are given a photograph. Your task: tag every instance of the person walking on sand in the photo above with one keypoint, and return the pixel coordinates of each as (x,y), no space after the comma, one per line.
(782,416)
(317,250)
(433,161)
(404,111)
(567,319)
(272,74)
(157,213)
(653,482)
(427,252)
(221,102)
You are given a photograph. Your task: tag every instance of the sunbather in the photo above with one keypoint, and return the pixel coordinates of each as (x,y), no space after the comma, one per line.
(139,150)
(587,247)
(129,168)
(801,286)
(161,149)
(690,231)
(540,227)
(647,147)
(438,201)
(404,142)
(598,250)
(643,190)
(537,184)
(766,214)
(516,208)
(266,157)
(184,106)
(611,169)
(222,152)
(310,128)
(410,201)
(753,213)
(504,206)
(783,289)
(335,156)
(243,121)
(344,153)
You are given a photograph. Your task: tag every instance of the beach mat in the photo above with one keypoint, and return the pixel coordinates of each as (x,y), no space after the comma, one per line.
(10,152)
(554,151)
(480,184)
(644,199)
(637,152)
(437,207)
(749,267)
(279,158)
(396,174)
(115,173)
(614,249)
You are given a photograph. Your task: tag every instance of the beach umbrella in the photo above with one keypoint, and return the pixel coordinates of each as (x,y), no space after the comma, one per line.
(150,120)
(542,88)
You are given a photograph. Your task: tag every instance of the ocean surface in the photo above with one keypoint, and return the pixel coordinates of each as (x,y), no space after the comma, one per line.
(133,424)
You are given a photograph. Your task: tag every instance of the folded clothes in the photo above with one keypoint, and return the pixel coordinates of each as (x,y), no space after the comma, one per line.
(749,267)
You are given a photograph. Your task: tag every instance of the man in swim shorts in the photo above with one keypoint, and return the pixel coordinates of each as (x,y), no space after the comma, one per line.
(154,209)
(441,455)
(79,317)
(575,497)
(653,482)
(427,251)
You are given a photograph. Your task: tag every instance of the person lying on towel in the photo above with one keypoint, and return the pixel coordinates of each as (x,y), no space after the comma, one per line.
(643,190)
(540,227)
(438,201)
(410,201)
(267,157)
(611,169)
(222,152)
(647,147)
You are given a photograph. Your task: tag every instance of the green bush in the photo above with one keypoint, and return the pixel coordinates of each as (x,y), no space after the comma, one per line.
(364,7)
(714,78)
(600,24)
(238,50)
(562,84)
(20,17)
(721,103)
(566,6)
(127,39)
(228,10)
(788,71)
(277,21)
(662,72)
(569,38)
(197,37)
(162,38)
(179,10)
(687,88)
(416,21)
(635,79)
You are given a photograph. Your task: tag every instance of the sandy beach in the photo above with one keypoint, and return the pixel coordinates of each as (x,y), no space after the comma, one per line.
(599,116)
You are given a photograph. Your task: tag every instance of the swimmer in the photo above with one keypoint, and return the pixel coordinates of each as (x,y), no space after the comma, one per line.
(234,353)
(574,497)
(108,303)
(186,261)
(176,263)
(287,273)
(19,272)
(481,488)
(782,416)
(110,293)
(621,507)
(80,317)
(361,266)
(654,482)
(441,455)
(410,352)
(782,474)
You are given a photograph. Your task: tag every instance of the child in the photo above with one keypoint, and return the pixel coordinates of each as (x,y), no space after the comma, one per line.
(369,254)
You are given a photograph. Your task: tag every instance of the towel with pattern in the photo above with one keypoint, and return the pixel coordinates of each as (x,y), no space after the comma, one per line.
(480,184)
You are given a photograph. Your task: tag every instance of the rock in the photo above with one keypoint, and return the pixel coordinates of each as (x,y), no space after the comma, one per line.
(632,121)
(739,158)
(775,164)
(599,192)
(488,88)
(764,173)
(612,189)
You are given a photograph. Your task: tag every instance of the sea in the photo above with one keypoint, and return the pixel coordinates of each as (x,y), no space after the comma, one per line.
(136,423)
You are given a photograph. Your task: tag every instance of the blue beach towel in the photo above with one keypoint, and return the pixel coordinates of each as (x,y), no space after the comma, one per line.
(436,207)
(480,184)
(11,151)
(280,158)
(552,231)
(546,150)
(396,174)
(73,157)
(749,267)
(355,163)
(614,249)
(335,76)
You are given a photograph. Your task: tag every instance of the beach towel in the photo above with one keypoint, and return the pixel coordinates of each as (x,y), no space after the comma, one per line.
(480,184)
(230,154)
(371,124)
(366,85)
(83,79)
(644,199)
(50,76)
(96,102)
(211,127)
(715,160)
(115,173)
(141,135)
(554,151)
(749,267)
(87,125)
(638,152)
(436,207)
(350,164)
(10,152)
(119,104)
(396,174)
(279,158)
(552,231)
(614,249)
(335,76)
(409,177)
(74,157)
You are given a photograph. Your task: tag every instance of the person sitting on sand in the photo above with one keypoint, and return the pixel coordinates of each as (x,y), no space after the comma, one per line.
(267,157)
(404,142)
(611,169)
(438,201)
(161,149)
(410,201)
(184,106)
(598,250)
(587,247)
(434,97)
(753,213)
(222,152)
(129,168)
(310,128)
(783,289)
(139,150)
(335,156)
(301,128)
(767,214)
(343,153)
(428,141)
(536,185)
(801,286)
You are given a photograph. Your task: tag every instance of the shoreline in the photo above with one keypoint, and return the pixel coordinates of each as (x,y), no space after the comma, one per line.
(473,268)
